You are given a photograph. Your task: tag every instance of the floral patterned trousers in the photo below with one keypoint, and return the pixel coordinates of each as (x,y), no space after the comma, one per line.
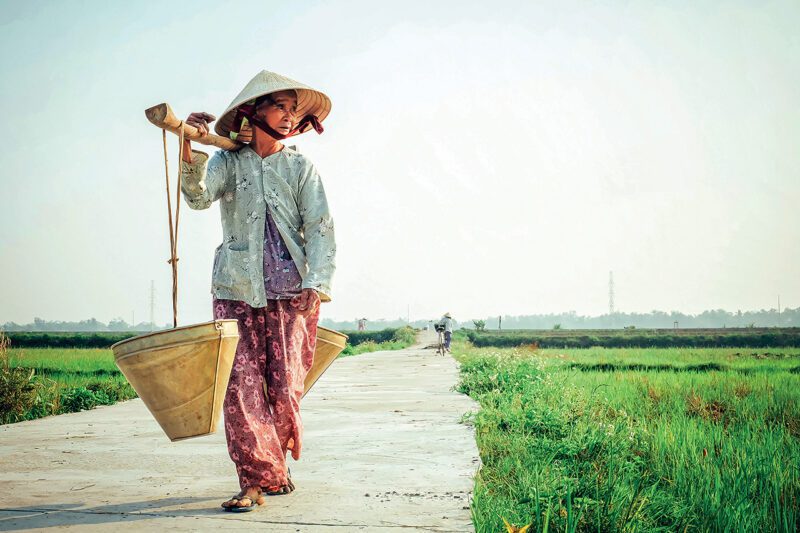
(276,349)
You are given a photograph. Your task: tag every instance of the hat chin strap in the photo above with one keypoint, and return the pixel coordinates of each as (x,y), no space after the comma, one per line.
(248,111)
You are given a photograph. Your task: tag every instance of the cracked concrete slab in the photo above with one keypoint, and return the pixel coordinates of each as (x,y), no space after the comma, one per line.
(384,450)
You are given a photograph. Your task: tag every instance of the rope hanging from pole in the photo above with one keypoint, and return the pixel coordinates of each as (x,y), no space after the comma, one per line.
(173,230)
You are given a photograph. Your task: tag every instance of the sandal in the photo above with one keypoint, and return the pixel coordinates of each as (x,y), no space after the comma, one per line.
(280,489)
(236,508)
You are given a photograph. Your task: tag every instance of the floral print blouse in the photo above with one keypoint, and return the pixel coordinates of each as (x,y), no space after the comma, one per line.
(284,185)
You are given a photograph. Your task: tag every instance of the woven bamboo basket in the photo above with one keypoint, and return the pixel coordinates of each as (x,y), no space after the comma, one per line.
(330,344)
(181,374)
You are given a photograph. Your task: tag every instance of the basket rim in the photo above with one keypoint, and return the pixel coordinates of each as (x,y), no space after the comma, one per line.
(334,331)
(163,331)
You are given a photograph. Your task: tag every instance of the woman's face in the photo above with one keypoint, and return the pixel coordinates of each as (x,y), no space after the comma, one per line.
(281,112)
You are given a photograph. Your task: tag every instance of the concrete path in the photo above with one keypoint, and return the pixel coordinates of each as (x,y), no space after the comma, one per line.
(384,450)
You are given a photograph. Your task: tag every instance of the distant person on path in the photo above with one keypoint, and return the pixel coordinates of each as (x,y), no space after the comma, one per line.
(362,324)
(270,273)
(447,322)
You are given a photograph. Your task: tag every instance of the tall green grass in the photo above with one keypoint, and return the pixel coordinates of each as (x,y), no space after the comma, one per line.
(389,339)
(60,381)
(568,447)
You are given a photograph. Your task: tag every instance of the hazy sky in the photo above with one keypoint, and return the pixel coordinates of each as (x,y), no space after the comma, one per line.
(480,158)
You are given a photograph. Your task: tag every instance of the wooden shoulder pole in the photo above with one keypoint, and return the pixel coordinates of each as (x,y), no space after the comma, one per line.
(162,116)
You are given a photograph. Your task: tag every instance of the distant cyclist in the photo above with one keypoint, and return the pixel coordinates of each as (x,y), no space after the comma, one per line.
(447,322)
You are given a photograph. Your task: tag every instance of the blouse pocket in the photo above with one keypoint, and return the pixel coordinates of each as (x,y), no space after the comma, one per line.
(232,270)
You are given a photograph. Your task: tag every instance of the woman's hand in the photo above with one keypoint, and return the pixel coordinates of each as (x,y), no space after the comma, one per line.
(307,301)
(200,121)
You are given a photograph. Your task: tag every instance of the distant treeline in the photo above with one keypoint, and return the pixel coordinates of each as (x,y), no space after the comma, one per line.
(708,338)
(718,318)
(59,326)
(38,339)
(373,325)
(119,325)
(104,340)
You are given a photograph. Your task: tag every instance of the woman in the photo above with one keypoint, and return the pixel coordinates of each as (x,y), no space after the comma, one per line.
(271,271)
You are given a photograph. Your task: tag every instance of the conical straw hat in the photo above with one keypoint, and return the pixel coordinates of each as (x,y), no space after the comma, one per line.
(309,101)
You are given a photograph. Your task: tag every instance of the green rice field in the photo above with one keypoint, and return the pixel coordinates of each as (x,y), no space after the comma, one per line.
(635,439)
(78,361)
(39,382)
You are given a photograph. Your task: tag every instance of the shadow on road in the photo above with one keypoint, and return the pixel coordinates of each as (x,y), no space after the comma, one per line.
(55,514)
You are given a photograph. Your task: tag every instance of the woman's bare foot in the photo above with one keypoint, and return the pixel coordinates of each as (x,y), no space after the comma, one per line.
(246,499)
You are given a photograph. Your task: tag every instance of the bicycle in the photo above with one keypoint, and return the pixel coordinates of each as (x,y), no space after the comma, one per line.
(440,349)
